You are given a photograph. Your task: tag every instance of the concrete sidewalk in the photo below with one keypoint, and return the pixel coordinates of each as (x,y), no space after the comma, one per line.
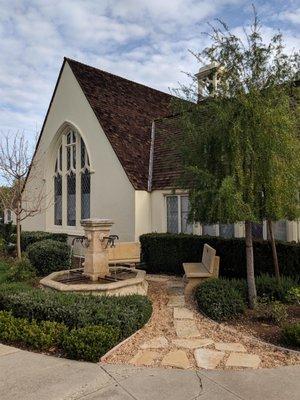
(31,376)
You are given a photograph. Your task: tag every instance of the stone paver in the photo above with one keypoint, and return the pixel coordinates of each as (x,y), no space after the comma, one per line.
(176,301)
(156,343)
(144,357)
(192,343)
(175,291)
(208,359)
(186,328)
(236,347)
(176,358)
(182,313)
(243,360)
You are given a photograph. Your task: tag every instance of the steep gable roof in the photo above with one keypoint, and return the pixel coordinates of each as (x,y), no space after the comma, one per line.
(166,159)
(125,110)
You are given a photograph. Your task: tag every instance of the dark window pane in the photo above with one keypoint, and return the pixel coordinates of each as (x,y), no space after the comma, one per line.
(257,231)
(71,199)
(186,227)
(82,153)
(85,194)
(69,138)
(60,158)
(172,214)
(280,230)
(208,230)
(68,158)
(227,230)
(58,200)
(74,156)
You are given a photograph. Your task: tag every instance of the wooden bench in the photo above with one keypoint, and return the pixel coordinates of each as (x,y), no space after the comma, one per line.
(197,272)
(125,253)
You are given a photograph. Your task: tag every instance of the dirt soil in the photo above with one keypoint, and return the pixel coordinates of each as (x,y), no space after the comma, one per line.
(265,330)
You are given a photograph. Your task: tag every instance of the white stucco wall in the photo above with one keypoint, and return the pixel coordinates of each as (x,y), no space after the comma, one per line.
(112,195)
(142,213)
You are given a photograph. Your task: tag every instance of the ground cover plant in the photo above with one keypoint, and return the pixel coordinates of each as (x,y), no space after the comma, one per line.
(276,315)
(77,326)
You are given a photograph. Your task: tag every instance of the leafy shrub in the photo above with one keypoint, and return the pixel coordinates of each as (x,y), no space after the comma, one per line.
(89,343)
(165,253)
(41,336)
(218,299)
(291,335)
(293,295)
(268,286)
(49,255)
(21,271)
(30,237)
(125,313)
(271,311)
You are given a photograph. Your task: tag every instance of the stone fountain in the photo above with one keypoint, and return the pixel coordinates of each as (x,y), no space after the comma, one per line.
(97,277)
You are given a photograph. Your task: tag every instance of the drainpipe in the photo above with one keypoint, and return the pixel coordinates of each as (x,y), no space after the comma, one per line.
(151,157)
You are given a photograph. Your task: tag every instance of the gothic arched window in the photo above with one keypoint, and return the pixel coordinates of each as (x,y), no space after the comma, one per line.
(72,181)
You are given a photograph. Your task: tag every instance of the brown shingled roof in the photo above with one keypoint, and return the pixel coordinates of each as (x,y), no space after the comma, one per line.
(125,110)
(166,160)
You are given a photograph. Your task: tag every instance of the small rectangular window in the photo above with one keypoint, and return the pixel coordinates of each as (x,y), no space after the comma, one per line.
(172,214)
(186,227)
(177,214)
(226,230)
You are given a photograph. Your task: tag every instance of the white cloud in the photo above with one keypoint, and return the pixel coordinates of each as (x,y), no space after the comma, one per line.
(146,41)
(291,16)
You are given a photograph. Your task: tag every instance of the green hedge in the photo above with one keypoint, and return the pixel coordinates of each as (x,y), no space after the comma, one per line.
(37,335)
(165,253)
(291,335)
(219,299)
(88,343)
(125,313)
(28,238)
(49,255)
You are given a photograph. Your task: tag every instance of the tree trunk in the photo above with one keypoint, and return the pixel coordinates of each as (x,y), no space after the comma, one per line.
(274,251)
(18,223)
(250,264)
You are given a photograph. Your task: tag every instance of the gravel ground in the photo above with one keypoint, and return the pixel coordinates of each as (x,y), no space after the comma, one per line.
(161,324)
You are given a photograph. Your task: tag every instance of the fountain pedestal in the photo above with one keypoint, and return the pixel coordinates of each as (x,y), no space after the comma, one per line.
(96,257)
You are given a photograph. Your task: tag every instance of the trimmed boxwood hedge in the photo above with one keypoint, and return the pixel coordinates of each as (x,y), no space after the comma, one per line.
(165,253)
(49,255)
(88,343)
(124,313)
(220,299)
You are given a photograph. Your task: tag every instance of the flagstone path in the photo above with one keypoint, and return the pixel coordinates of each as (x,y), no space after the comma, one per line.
(178,336)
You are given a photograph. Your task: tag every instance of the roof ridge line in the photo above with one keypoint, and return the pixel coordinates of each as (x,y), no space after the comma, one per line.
(120,77)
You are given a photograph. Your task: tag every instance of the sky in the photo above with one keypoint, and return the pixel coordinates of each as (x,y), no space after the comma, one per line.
(147,41)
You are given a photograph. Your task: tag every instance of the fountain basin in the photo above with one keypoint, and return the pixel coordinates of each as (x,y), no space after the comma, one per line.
(132,282)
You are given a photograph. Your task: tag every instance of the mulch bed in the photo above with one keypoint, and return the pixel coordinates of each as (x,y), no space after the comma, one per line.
(265,330)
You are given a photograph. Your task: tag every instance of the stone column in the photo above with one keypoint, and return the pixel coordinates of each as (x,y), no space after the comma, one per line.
(96,256)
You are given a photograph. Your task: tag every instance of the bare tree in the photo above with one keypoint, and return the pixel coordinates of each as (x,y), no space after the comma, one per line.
(16,170)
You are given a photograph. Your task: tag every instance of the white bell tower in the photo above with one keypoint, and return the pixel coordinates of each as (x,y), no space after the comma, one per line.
(208,79)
